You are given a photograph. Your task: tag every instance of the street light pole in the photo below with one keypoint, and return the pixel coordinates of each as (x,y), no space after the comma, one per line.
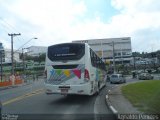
(101,51)
(23,56)
(23,60)
(122,65)
(114,67)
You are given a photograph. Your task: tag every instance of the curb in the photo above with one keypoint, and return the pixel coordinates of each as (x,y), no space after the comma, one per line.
(110,106)
(9,87)
(4,88)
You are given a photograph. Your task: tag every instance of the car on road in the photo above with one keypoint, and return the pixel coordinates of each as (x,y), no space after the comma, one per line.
(117,78)
(145,76)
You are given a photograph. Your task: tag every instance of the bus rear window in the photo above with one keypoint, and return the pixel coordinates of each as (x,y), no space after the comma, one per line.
(69,51)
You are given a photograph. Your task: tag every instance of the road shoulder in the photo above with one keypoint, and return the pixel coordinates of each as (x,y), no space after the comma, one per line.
(118,103)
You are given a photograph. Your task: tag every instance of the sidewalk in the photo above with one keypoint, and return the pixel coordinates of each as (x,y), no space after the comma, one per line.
(9,87)
(118,103)
(27,82)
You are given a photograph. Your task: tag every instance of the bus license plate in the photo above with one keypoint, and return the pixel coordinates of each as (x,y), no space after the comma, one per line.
(63,91)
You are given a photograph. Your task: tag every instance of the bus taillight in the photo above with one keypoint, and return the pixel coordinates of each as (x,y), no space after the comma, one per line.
(86,74)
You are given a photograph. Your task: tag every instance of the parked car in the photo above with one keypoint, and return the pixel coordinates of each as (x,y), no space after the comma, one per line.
(117,78)
(145,76)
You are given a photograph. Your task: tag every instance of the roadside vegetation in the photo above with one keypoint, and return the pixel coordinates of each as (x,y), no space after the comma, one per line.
(144,95)
(31,67)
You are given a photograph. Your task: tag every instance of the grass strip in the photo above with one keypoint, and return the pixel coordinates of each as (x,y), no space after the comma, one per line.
(144,95)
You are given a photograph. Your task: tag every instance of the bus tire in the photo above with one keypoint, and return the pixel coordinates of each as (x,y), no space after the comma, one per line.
(98,89)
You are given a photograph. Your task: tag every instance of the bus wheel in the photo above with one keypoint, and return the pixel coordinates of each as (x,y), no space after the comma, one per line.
(98,89)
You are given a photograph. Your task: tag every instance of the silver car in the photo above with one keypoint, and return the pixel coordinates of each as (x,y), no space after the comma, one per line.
(117,78)
(145,76)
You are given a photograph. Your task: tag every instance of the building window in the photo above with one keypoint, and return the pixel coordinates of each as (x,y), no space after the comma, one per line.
(119,54)
(115,54)
(126,53)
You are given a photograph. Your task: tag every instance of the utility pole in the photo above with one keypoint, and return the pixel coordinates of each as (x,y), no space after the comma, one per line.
(134,63)
(114,67)
(23,57)
(12,35)
(23,60)
(101,51)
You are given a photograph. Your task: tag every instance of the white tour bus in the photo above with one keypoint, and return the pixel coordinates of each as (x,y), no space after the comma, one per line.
(73,68)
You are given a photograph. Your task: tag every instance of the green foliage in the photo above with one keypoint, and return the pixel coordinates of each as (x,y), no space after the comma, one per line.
(39,58)
(136,54)
(147,55)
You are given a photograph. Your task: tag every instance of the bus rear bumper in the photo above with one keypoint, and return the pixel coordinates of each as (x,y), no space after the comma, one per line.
(84,89)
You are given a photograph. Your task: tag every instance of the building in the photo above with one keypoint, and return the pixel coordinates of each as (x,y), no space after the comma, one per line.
(2,56)
(6,55)
(7,58)
(36,50)
(105,47)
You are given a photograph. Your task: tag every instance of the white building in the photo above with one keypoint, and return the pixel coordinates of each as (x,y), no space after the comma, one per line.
(104,48)
(1,53)
(36,50)
(7,56)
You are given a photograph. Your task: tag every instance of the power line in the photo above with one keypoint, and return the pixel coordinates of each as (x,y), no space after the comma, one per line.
(25,43)
(8,27)
(4,28)
(11,27)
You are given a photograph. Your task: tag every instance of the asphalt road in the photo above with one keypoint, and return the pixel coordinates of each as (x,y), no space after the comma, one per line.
(13,92)
(31,101)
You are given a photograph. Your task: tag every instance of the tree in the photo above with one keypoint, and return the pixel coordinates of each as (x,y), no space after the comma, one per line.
(39,58)
(136,54)
(42,57)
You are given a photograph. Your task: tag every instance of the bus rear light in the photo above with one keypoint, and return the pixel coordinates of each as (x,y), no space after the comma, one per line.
(86,74)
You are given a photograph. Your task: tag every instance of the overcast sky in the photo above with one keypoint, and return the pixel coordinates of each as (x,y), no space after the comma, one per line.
(58,21)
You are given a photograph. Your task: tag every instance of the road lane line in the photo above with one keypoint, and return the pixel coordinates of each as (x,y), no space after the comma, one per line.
(36,92)
(106,96)
(113,109)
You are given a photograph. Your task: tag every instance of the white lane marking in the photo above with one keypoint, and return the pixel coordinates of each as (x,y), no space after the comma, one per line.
(106,96)
(109,91)
(113,110)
